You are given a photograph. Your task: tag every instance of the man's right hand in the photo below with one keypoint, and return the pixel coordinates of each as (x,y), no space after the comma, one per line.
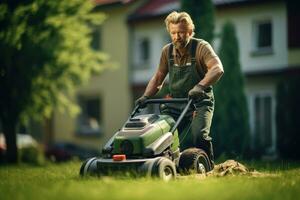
(141,101)
(197,92)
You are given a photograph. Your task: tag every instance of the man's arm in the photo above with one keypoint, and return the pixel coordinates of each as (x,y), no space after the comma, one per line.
(214,72)
(158,78)
(155,82)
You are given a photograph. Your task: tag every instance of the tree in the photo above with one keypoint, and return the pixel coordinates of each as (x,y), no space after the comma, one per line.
(287,117)
(203,15)
(45,52)
(230,126)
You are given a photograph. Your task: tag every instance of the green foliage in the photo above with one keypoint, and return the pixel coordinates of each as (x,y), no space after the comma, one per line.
(230,128)
(33,155)
(203,15)
(45,52)
(45,49)
(287,117)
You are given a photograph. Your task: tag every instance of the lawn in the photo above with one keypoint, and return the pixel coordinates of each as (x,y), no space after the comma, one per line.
(279,180)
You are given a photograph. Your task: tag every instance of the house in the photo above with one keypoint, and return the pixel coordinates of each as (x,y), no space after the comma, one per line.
(106,100)
(269,48)
(133,36)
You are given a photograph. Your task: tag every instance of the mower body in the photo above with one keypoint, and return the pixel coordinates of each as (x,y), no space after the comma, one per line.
(144,136)
(146,145)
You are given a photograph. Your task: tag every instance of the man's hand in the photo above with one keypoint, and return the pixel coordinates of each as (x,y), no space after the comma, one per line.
(141,101)
(197,92)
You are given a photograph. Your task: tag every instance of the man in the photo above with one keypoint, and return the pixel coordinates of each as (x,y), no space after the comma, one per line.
(193,68)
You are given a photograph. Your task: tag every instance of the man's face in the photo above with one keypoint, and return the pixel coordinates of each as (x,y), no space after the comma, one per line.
(180,34)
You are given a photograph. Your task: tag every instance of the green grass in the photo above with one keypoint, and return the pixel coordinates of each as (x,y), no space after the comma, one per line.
(279,181)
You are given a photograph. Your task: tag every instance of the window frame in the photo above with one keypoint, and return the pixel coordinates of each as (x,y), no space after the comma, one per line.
(141,63)
(96,43)
(256,49)
(262,94)
(82,130)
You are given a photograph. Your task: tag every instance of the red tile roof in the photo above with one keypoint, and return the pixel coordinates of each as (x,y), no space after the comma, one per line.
(156,8)
(107,2)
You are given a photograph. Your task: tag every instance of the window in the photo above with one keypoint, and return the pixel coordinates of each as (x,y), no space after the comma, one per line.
(96,38)
(263,37)
(144,49)
(142,53)
(264,136)
(89,120)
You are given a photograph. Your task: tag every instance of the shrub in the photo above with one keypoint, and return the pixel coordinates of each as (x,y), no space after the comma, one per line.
(287,117)
(31,155)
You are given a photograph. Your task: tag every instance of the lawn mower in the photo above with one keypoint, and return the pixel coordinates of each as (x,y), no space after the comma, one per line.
(148,144)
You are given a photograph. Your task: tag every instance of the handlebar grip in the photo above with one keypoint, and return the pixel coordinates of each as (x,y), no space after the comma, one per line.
(160,101)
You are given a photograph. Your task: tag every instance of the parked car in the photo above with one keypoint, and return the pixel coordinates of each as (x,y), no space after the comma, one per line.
(26,145)
(23,140)
(64,151)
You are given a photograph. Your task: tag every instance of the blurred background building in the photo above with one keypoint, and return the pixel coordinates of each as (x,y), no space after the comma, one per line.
(134,34)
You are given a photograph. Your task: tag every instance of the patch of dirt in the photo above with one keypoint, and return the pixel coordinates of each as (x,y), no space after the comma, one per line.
(228,168)
(232,167)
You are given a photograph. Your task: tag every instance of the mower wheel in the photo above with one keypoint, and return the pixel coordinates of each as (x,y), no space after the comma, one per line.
(194,160)
(89,167)
(164,168)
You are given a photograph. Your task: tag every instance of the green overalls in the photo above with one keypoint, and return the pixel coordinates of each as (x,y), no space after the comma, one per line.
(181,80)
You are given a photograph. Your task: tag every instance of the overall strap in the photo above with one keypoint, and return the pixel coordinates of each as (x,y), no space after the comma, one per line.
(193,50)
(170,56)
(193,56)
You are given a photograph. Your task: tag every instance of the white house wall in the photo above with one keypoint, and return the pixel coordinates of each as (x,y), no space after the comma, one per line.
(112,86)
(243,19)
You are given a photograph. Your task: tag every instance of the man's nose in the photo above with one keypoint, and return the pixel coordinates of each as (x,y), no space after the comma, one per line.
(177,36)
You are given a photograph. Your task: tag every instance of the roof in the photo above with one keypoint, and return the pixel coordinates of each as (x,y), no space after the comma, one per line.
(222,2)
(154,8)
(157,8)
(108,2)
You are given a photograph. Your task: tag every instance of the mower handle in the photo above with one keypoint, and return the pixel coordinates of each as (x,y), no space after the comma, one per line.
(160,101)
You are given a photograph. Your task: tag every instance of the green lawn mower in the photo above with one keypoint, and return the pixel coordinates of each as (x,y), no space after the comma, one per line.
(148,145)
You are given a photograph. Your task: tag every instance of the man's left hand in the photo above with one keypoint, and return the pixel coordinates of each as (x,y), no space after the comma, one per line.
(197,92)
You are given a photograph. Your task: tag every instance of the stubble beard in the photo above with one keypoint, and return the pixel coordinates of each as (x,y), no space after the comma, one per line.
(181,44)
